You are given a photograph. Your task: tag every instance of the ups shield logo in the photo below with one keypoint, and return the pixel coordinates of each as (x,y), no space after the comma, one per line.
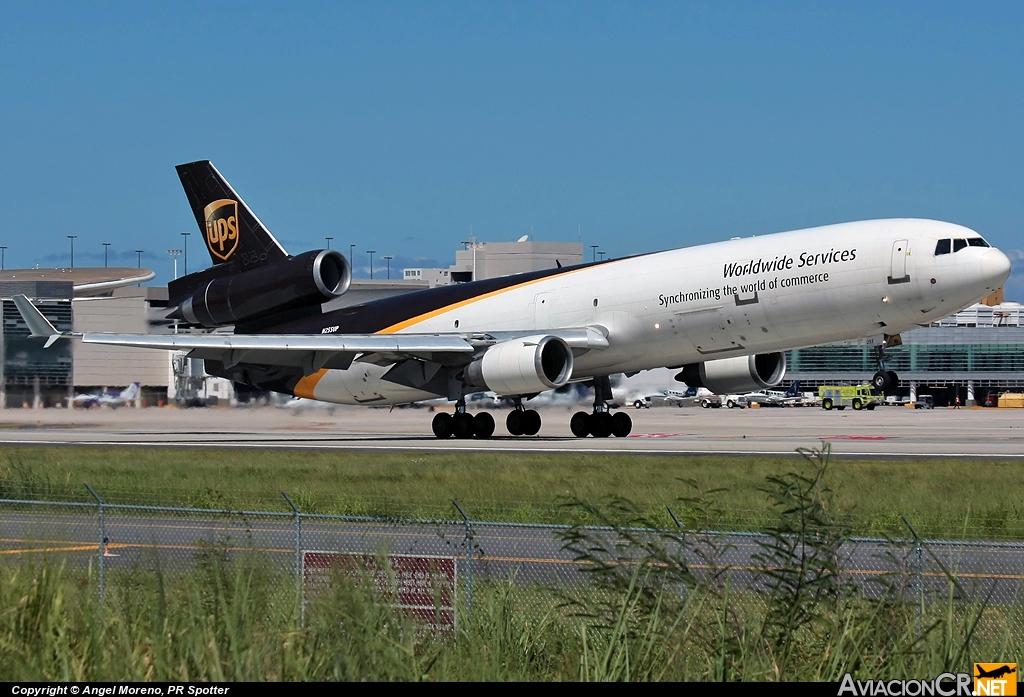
(222,228)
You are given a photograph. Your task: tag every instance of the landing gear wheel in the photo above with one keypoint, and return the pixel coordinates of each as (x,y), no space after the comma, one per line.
(531,422)
(514,422)
(579,424)
(483,425)
(827,404)
(442,425)
(621,424)
(881,381)
(601,424)
(463,425)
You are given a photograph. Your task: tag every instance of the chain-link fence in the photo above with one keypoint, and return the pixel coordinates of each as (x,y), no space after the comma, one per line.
(543,565)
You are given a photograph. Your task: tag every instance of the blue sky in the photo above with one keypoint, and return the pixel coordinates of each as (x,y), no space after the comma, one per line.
(397,126)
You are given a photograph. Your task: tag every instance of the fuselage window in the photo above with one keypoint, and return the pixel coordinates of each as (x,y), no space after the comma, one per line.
(959,244)
(977,242)
(942,247)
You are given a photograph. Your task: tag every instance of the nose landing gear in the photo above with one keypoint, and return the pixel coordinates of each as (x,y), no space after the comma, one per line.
(885,381)
(601,423)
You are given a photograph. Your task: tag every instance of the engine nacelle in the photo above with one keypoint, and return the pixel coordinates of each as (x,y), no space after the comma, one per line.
(740,374)
(312,277)
(522,366)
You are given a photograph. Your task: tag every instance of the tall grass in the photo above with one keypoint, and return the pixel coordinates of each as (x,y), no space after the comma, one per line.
(233,624)
(644,614)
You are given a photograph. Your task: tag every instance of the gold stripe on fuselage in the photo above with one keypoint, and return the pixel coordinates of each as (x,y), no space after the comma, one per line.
(405,324)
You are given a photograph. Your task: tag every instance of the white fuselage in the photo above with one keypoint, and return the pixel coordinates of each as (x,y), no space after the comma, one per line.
(744,296)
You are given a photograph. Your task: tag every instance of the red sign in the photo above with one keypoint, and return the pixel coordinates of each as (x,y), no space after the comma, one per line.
(420,586)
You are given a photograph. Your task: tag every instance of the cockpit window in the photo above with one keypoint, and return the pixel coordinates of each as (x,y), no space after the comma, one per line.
(959,244)
(977,242)
(942,247)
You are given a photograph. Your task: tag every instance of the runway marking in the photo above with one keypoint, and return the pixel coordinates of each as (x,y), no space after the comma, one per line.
(855,437)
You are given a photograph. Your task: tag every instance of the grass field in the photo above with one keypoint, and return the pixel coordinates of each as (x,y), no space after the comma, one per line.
(942,497)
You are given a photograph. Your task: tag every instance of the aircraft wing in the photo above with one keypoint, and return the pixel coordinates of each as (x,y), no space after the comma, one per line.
(309,351)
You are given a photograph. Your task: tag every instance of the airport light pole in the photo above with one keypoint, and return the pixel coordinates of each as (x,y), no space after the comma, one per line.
(471,243)
(389,266)
(328,241)
(594,248)
(371,252)
(3,253)
(174,253)
(185,249)
(601,254)
(351,259)
(139,252)
(72,238)
(106,246)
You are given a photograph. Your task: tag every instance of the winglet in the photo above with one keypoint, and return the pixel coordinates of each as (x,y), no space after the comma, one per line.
(38,325)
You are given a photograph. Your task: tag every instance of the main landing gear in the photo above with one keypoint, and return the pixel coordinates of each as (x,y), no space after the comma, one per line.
(601,423)
(463,425)
(885,381)
(522,422)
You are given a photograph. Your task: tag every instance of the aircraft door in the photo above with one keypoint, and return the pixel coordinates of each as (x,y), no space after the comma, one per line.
(542,310)
(898,264)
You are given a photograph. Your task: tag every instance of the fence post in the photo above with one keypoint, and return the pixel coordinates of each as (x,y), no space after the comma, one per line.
(298,542)
(103,542)
(682,550)
(469,560)
(918,551)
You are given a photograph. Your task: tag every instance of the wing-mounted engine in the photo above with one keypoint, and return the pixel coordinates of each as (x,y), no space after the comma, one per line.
(305,279)
(527,365)
(740,374)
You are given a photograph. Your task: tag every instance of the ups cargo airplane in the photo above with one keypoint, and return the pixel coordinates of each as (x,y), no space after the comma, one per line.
(722,313)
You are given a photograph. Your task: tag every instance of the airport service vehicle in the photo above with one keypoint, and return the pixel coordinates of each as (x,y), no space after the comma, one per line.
(924,401)
(839,396)
(108,399)
(723,314)
(731,401)
(642,403)
(776,398)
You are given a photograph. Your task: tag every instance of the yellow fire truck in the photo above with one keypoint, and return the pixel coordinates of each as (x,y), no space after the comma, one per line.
(839,396)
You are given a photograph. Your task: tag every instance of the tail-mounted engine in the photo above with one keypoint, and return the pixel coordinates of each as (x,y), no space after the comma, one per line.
(305,279)
(740,374)
(522,366)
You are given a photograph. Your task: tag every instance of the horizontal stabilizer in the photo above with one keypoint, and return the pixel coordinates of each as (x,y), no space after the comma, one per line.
(38,325)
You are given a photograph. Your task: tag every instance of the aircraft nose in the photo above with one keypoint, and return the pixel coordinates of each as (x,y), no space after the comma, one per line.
(995,268)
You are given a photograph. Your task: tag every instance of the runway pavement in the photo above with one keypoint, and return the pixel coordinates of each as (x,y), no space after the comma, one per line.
(885,432)
(529,554)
